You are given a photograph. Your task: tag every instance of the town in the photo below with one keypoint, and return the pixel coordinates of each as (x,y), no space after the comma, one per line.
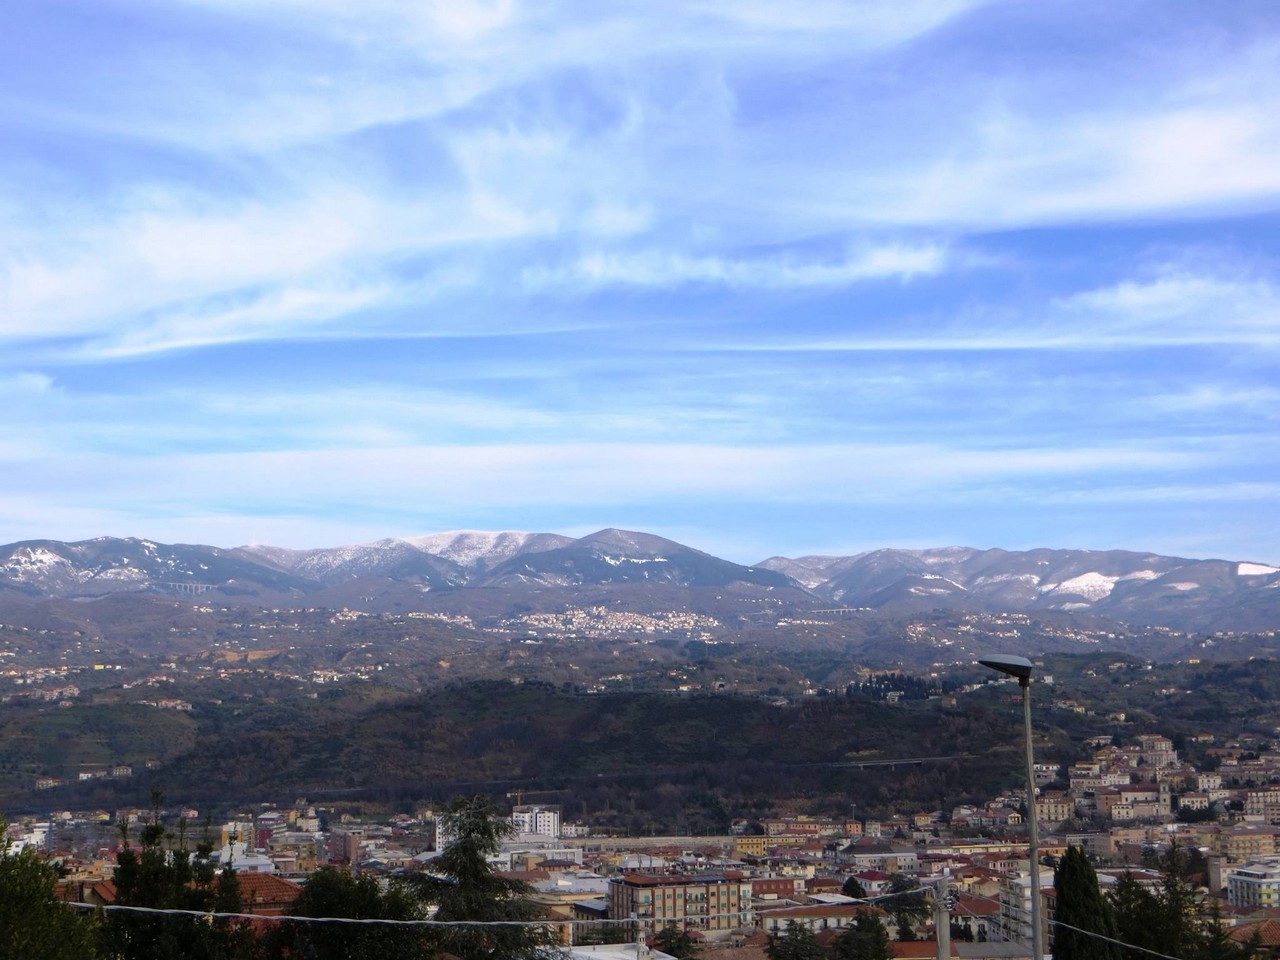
(1128,807)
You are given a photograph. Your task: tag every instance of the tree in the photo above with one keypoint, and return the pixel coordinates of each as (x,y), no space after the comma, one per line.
(853,888)
(336,893)
(676,941)
(463,886)
(1137,916)
(906,903)
(798,943)
(865,939)
(1178,902)
(1081,911)
(1165,921)
(1216,945)
(34,924)
(171,876)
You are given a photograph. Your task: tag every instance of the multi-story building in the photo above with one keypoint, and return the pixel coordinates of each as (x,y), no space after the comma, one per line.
(759,846)
(805,826)
(1244,842)
(1256,802)
(1157,751)
(1054,806)
(1015,904)
(535,818)
(1255,884)
(1193,801)
(1208,781)
(707,903)
(1142,801)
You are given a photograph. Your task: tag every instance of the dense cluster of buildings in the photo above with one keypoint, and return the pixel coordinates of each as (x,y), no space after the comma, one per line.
(1123,805)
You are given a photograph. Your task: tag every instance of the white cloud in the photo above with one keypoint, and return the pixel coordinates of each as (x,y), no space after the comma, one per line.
(1174,308)
(484,476)
(1179,307)
(416,61)
(190,270)
(654,269)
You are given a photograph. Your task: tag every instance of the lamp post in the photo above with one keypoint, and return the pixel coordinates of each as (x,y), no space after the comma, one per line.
(1020,667)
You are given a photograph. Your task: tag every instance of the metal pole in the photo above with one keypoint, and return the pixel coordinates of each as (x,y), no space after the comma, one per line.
(1033,833)
(942,920)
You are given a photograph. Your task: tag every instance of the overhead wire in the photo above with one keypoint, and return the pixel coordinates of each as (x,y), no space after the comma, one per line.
(638,922)
(1087,933)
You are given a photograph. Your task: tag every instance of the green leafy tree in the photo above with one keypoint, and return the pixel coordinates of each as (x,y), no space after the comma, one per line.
(676,941)
(864,939)
(464,887)
(336,893)
(798,943)
(1081,911)
(906,903)
(34,924)
(852,887)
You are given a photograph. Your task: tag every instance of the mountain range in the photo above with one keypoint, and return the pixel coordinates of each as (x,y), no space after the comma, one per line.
(1132,587)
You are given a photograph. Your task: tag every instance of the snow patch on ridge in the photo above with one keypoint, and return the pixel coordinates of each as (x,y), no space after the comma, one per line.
(29,562)
(616,561)
(470,548)
(1007,578)
(1255,570)
(1141,575)
(1092,586)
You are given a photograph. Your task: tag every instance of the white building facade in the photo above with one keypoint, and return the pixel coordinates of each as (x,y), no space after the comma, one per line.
(1255,884)
(534,818)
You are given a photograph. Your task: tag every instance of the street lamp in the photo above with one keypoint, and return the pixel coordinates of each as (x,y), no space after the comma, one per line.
(1020,667)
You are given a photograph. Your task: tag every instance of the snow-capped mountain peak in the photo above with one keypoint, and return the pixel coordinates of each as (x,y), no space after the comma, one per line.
(483,549)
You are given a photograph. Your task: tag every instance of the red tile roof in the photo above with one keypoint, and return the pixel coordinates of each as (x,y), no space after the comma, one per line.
(1269,930)
(266,893)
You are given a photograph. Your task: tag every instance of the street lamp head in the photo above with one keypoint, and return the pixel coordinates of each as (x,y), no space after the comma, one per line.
(1019,667)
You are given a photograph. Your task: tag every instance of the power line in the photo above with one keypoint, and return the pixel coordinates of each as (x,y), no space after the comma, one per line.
(550,921)
(562,922)
(1087,933)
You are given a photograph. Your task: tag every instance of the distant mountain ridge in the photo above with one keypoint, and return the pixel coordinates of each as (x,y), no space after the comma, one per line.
(1130,586)
(1123,585)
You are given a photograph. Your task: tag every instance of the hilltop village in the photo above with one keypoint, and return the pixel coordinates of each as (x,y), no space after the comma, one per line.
(1127,806)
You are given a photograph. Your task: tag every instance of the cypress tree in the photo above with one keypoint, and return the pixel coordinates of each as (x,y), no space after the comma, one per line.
(1082,911)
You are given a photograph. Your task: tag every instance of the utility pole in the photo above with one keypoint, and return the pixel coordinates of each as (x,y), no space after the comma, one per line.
(943,899)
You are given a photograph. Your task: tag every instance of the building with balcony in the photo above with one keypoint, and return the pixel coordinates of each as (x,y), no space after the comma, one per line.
(706,903)
(1255,884)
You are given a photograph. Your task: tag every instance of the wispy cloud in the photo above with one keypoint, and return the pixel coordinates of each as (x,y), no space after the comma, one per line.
(1173,308)
(669,270)
(286,258)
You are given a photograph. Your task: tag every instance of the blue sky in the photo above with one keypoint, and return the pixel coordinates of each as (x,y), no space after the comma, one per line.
(767,278)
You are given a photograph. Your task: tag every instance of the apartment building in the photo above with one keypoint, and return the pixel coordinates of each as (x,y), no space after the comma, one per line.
(707,903)
(1015,904)
(1255,884)
(535,818)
